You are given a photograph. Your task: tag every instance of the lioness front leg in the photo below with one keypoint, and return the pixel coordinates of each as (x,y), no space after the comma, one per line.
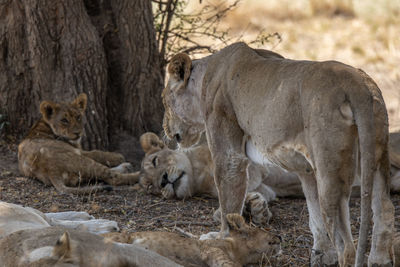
(110,159)
(225,142)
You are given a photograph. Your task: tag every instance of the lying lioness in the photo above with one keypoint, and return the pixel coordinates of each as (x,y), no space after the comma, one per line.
(27,238)
(184,173)
(189,172)
(244,245)
(161,167)
(52,153)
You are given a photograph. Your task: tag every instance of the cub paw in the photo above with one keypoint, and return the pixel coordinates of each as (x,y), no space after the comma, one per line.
(256,208)
(114,159)
(125,167)
(210,235)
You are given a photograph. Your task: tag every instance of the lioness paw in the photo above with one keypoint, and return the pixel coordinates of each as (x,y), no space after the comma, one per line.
(256,207)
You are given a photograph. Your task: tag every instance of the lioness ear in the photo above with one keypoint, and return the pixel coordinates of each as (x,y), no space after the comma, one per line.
(180,67)
(151,143)
(236,222)
(47,109)
(63,246)
(80,102)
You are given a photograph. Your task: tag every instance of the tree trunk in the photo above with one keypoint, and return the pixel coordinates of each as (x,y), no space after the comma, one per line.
(55,49)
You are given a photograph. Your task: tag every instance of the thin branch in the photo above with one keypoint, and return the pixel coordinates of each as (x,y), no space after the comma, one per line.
(171,6)
(198,47)
(178,31)
(187,223)
(187,234)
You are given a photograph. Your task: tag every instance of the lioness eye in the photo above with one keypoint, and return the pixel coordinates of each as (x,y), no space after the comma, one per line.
(65,121)
(154,161)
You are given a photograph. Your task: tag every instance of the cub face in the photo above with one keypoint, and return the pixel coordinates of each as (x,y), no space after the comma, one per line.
(246,244)
(65,119)
(164,171)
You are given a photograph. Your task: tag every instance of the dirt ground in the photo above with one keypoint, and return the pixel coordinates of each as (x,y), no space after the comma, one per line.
(136,211)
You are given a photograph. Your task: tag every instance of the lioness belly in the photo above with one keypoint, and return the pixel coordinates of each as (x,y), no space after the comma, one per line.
(287,155)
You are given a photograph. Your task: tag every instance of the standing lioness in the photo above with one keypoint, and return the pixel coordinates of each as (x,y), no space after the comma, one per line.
(52,153)
(323,121)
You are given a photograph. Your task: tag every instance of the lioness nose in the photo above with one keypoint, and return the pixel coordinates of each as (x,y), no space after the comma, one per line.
(164,180)
(177,138)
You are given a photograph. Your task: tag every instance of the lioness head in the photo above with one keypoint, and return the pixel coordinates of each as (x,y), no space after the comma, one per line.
(181,100)
(65,119)
(164,171)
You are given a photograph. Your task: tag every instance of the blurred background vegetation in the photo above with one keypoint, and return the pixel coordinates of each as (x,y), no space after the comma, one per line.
(361,33)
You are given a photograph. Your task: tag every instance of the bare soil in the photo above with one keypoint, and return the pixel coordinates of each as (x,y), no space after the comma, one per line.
(136,211)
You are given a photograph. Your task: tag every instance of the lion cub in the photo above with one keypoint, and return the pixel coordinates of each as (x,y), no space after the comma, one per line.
(244,245)
(52,153)
(58,247)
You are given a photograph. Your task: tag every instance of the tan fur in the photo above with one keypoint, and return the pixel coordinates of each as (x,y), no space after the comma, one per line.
(310,118)
(15,217)
(28,237)
(51,152)
(245,245)
(55,246)
(161,163)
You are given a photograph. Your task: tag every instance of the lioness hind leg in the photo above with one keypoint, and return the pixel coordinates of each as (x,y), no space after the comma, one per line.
(335,171)
(323,253)
(334,202)
(383,210)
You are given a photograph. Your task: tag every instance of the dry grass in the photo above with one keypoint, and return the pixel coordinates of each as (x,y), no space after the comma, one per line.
(370,39)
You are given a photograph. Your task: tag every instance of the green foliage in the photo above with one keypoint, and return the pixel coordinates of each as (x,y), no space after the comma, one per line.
(197,32)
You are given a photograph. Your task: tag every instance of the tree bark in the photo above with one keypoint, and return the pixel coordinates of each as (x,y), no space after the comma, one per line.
(55,49)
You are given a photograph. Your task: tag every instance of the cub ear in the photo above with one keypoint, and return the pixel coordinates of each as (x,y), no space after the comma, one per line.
(62,249)
(80,102)
(236,222)
(180,67)
(47,109)
(151,143)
